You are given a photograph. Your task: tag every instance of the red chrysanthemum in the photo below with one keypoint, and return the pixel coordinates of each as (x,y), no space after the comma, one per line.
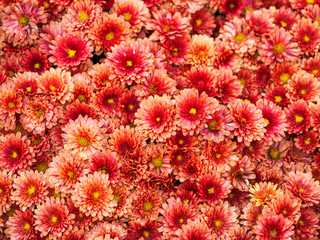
(277,95)
(283,72)
(312,65)
(275,154)
(49,33)
(35,61)
(298,117)
(193,230)
(6,188)
(231,7)
(307,142)
(260,22)
(146,230)
(202,21)
(308,224)
(251,214)
(177,49)
(225,57)
(26,83)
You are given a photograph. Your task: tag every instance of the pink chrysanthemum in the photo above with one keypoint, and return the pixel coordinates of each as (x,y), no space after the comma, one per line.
(193,109)
(212,188)
(278,48)
(53,218)
(146,230)
(81,16)
(175,214)
(40,114)
(231,8)
(31,189)
(100,74)
(300,4)
(21,225)
(134,12)
(131,61)
(275,154)
(83,88)
(220,218)
(251,214)
(57,84)
(35,61)
(225,57)
(284,17)
(308,224)
(70,50)
(193,230)
(81,221)
(303,85)
(129,104)
(108,31)
(159,160)
(167,25)
(298,117)
(277,95)
(202,22)
(122,195)
(201,50)
(303,186)
(48,34)
(260,22)
(307,34)
(275,119)
(155,118)
(15,152)
(6,187)
(93,195)
(283,72)
(146,204)
(20,22)
(65,171)
(181,141)
(177,49)
(263,192)
(11,64)
(105,162)
(311,65)
(249,122)
(273,227)
(106,230)
(307,142)
(10,105)
(84,136)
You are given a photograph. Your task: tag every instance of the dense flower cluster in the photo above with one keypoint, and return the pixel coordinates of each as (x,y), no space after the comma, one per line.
(159,119)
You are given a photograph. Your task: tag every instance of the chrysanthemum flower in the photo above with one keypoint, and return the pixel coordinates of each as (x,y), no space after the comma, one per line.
(225,57)
(312,11)
(231,7)
(175,214)
(202,22)
(283,204)
(275,119)
(146,204)
(130,61)
(35,61)
(219,126)
(6,187)
(251,214)
(307,142)
(311,65)
(283,72)
(83,136)
(167,25)
(275,154)
(303,186)
(220,218)
(177,49)
(260,22)
(156,50)
(123,197)
(212,188)
(21,225)
(201,50)
(10,105)
(129,104)
(106,230)
(181,141)
(298,117)
(193,109)
(20,22)
(83,88)
(105,162)
(277,95)
(238,198)
(11,64)
(303,85)
(100,74)
(155,118)
(53,218)
(249,122)
(81,16)
(39,114)
(193,230)
(93,195)
(315,116)
(221,156)
(134,12)
(57,84)
(108,31)
(194,168)
(273,227)
(3,76)
(307,34)
(263,192)
(159,159)
(64,171)
(105,4)
(278,48)
(300,4)
(48,34)
(31,189)
(81,221)
(308,224)
(15,152)
(146,230)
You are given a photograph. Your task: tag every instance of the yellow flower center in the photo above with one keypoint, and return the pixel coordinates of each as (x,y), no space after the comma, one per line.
(31,190)
(158,162)
(110,36)
(310,1)
(298,118)
(116,198)
(303,92)
(240,37)
(129,63)
(278,48)
(315,71)
(146,234)
(24,21)
(26,226)
(14,154)
(301,222)
(110,101)
(181,220)
(193,111)
(284,77)
(179,157)
(38,111)
(82,16)
(306,38)
(267,121)
(307,141)
(213,124)
(11,73)
(231,195)
(174,50)
(186,201)
(52,88)
(211,190)
(147,206)
(80,215)
(36,65)
(127,16)
(218,155)
(181,142)
(28,89)
(42,167)
(274,154)
(46,4)
(71,53)
(217,223)
(198,22)
(283,24)
(166,28)
(273,233)
(54,219)
(82,98)
(11,105)
(96,195)
(201,52)
(83,141)
(130,106)
(250,148)
(158,119)
(277,99)
(70,174)
(1,191)
(284,212)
